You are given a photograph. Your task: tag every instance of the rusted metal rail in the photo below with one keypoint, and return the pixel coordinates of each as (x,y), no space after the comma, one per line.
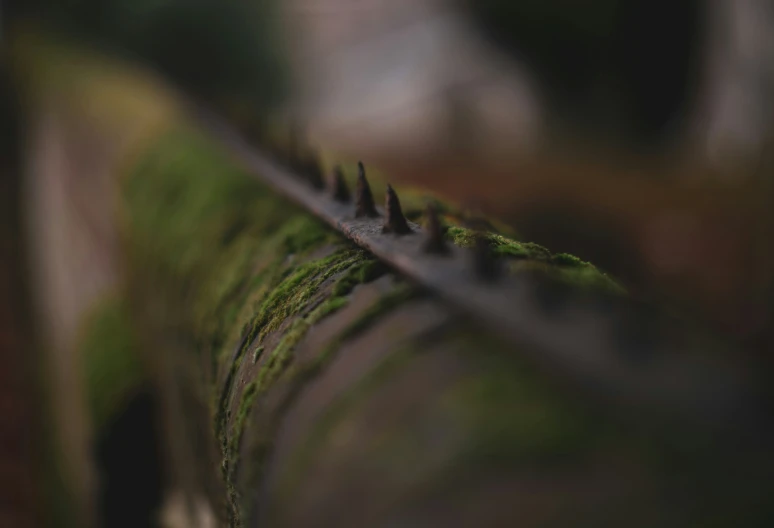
(600,345)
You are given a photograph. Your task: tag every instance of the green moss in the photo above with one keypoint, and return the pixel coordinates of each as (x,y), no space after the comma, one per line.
(281,354)
(222,414)
(530,256)
(237,260)
(358,267)
(507,247)
(295,295)
(534,251)
(460,236)
(292,295)
(296,291)
(257,354)
(565,259)
(246,403)
(371,270)
(589,278)
(365,271)
(297,377)
(113,371)
(230,253)
(390,301)
(500,245)
(236,263)
(301,234)
(328,307)
(360,274)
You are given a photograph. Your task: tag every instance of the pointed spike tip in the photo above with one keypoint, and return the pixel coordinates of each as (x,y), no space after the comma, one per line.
(395,223)
(364,200)
(435,242)
(338,184)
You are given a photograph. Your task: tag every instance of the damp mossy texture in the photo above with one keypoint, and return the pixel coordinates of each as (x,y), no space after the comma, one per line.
(242,258)
(523,256)
(220,262)
(228,282)
(231,265)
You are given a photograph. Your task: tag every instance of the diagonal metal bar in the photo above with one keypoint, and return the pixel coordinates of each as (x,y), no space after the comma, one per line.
(574,339)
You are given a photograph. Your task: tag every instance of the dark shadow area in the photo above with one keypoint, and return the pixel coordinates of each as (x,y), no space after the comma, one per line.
(130,466)
(627,67)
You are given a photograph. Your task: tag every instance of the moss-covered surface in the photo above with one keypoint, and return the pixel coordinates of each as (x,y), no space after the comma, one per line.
(113,369)
(448,422)
(524,256)
(245,272)
(246,276)
(502,239)
(297,376)
(280,357)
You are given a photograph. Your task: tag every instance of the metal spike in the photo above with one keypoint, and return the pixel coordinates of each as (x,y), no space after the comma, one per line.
(484,264)
(364,200)
(434,242)
(338,184)
(395,223)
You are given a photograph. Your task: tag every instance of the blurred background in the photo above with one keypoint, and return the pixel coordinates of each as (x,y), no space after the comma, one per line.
(631,133)
(634,134)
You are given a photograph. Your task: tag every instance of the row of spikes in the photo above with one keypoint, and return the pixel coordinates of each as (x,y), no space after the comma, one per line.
(395,222)
(638,335)
(638,330)
(485,265)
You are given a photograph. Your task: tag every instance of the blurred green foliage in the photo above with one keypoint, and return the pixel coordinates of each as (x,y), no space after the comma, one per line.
(113,373)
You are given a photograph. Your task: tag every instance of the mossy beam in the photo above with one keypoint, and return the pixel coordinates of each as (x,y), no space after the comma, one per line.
(246,275)
(243,266)
(242,262)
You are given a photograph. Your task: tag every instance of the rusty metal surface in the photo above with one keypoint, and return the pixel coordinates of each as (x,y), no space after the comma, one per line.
(575,337)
